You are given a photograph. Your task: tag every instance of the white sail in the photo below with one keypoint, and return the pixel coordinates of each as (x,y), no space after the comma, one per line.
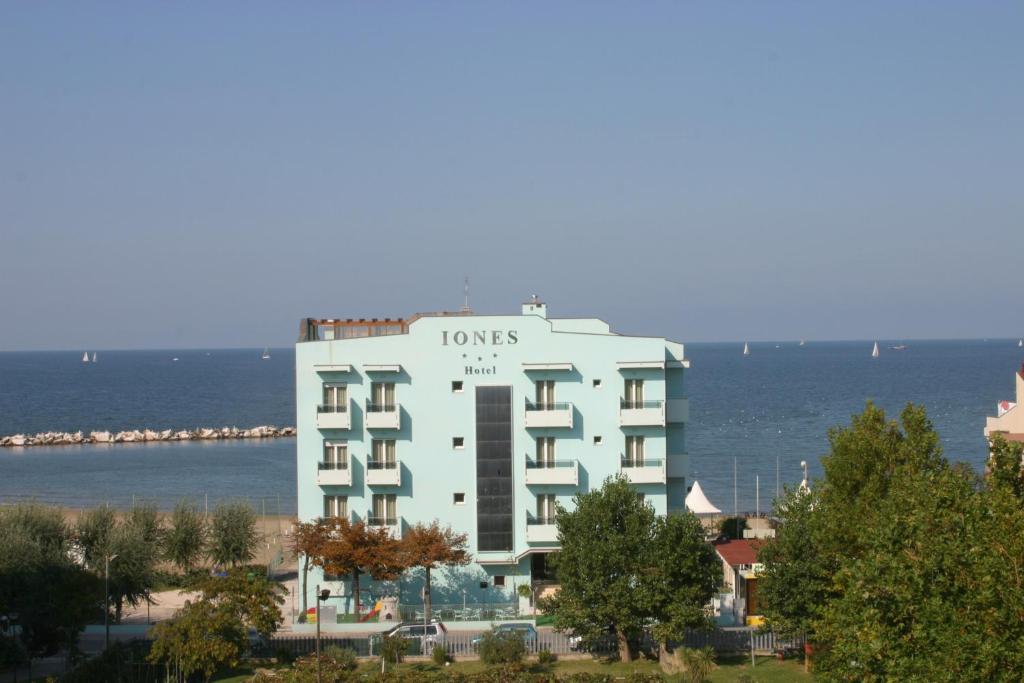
(874,351)
(266,353)
(746,349)
(1020,342)
(85,357)
(93,356)
(801,342)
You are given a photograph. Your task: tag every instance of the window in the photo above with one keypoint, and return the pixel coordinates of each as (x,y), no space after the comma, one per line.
(597,384)
(546,508)
(634,456)
(385,510)
(335,455)
(382,397)
(458,442)
(545,451)
(335,399)
(499,581)
(598,440)
(382,455)
(459,498)
(457,387)
(545,394)
(335,506)
(634,394)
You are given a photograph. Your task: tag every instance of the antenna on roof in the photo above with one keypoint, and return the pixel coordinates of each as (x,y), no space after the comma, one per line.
(465,305)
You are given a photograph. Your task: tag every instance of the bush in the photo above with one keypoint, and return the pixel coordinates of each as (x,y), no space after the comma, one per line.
(284,655)
(545,656)
(697,664)
(439,655)
(392,648)
(502,648)
(344,658)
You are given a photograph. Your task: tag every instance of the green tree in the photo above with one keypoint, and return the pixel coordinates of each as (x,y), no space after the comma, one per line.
(185,539)
(53,596)
(1006,465)
(233,535)
(202,638)
(307,543)
(683,574)
(603,562)
(429,546)
(94,535)
(254,599)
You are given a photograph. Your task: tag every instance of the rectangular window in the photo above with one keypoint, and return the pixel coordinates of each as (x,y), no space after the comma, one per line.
(459,498)
(457,387)
(335,455)
(335,506)
(634,394)
(634,455)
(597,384)
(494,484)
(499,581)
(545,451)
(382,455)
(598,440)
(545,394)
(382,397)
(546,508)
(335,398)
(458,441)
(385,510)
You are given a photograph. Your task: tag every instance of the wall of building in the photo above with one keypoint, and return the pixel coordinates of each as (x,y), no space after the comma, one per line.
(478,351)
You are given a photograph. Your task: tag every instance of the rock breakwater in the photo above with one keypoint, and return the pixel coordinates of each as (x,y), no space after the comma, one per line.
(136,436)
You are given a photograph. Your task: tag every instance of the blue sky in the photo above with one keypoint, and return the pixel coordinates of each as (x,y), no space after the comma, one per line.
(178,175)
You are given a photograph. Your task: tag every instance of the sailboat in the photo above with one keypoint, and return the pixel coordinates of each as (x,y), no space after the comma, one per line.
(801,342)
(1020,342)
(746,349)
(874,351)
(93,356)
(266,354)
(85,357)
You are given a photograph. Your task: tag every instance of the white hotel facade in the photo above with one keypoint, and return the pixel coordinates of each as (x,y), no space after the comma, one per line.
(483,423)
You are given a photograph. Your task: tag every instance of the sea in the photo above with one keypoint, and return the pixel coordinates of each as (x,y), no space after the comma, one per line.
(754,418)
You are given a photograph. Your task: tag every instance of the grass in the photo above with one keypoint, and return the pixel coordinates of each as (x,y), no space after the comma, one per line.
(729,669)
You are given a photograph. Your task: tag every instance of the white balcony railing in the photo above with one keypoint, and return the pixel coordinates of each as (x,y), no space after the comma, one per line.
(643,470)
(392,524)
(641,413)
(383,415)
(559,472)
(333,417)
(541,529)
(383,473)
(333,474)
(548,415)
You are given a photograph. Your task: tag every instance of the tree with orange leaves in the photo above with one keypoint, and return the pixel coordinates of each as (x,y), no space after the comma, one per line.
(307,542)
(431,546)
(354,549)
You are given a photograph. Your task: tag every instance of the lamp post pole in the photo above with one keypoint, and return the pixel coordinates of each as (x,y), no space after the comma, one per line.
(318,633)
(106,599)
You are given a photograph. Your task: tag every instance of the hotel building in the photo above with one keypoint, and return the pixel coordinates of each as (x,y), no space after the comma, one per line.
(483,422)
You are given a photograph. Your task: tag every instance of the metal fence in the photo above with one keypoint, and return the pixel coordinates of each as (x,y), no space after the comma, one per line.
(457,644)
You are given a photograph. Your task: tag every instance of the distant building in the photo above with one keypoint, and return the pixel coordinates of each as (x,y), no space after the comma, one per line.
(739,577)
(483,423)
(1009,419)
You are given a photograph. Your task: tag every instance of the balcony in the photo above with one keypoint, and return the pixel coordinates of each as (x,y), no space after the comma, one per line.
(643,470)
(383,415)
(333,416)
(541,529)
(383,473)
(641,413)
(542,415)
(556,472)
(333,474)
(392,524)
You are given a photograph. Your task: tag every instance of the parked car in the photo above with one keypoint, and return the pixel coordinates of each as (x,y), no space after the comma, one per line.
(427,635)
(525,631)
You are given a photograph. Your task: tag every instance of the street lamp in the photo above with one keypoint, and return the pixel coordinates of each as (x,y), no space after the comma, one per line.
(106,599)
(321,595)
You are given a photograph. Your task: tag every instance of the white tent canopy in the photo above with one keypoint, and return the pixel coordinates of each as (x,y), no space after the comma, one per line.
(698,503)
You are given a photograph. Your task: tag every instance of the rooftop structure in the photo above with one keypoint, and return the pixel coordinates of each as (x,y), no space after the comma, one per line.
(1009,419)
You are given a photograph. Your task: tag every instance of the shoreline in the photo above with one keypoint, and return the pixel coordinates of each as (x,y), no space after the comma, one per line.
(143,436)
